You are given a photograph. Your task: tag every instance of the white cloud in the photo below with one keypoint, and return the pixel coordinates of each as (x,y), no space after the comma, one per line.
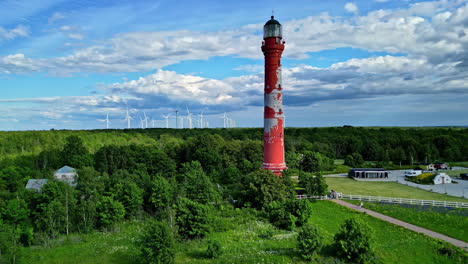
(351,7)
(18,31)
(434,31)
(55,17)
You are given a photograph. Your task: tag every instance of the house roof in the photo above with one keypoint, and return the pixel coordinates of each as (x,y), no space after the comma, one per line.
(66,169)
(367,169)
(36,184)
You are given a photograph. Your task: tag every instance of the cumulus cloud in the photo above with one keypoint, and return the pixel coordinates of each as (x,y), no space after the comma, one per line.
(435,31)
(351,7)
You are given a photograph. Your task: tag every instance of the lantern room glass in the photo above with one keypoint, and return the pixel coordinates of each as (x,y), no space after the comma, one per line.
(272,30)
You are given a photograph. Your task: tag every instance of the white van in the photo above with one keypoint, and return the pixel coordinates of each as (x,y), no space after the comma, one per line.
(412,173)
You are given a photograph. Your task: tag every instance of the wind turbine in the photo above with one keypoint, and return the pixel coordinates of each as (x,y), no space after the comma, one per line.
(182,121)
(142,123)
(153,123)
(225,118)
(107,121)
(145,120)
(167,120)
(200,120)
(128,118)
(189,118)
(176,118)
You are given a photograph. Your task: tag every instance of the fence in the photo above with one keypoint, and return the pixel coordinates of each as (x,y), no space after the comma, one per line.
(390,200)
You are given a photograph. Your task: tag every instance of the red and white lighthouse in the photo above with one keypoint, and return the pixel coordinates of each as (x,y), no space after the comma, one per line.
(273,134)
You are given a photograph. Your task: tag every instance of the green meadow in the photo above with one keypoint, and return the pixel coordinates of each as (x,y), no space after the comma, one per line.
(386,189)
(248,238)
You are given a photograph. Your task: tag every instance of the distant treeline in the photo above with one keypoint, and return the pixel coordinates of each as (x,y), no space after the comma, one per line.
(399,145)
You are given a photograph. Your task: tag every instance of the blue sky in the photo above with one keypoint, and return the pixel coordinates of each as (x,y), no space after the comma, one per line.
(67,64)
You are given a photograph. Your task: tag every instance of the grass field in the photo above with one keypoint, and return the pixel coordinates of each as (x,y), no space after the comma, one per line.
(455,173)
(386,189)
(452,222)
(247,238)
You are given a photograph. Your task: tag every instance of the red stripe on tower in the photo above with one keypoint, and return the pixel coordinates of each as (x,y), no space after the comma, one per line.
(273,134)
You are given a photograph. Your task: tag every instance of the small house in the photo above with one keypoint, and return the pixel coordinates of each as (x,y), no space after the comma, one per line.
(369,173)
(66,174)
(36,184)
(437,166)
(442,178)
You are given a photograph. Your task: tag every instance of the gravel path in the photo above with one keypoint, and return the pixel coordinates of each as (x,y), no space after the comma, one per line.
(427,232)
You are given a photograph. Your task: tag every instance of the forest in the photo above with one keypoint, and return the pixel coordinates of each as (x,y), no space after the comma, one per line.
(176,177)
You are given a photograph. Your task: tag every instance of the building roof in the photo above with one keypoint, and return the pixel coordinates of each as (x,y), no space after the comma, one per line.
(36,184)
(272,21)
(66,169)
(367,169)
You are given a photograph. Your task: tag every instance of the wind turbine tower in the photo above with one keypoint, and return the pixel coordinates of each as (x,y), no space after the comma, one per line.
(189,118)
(128,118)
(167,120)
(176,118)
(200,120)
(107,121)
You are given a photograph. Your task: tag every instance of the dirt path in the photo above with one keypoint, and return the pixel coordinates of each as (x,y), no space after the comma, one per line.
(427,232)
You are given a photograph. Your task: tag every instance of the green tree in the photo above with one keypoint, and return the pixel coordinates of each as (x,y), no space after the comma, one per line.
(109,212)
(315,162)
(354,160)
(130,195)
(354,241)
(314,184)
(196,184)
(75,154)
(192,219)
(310,241)
(161,193)
(262,187)
(157,243)
(10,247)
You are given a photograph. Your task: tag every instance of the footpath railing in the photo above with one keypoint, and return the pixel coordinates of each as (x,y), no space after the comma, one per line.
(390,200)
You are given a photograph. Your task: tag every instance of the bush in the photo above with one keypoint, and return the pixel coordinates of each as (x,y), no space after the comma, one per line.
(157,243)
(353,242)
(310,241)
(289,214)
(279,215)
(109,211)
(191,219)
(214,249)
(262,187)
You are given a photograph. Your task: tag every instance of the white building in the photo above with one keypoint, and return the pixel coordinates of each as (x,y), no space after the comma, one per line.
(66,174)
(442,178)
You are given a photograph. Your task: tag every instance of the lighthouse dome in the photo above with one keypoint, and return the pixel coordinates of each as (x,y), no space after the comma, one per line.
(272,28)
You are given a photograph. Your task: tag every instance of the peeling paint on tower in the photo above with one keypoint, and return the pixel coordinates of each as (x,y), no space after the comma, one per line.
(273,131)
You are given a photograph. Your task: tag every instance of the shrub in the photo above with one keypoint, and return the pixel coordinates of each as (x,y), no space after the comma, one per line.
(157,243)
(353,242)
(279,215)
(310,241)
(191,219)
(289,214)
(109,211)
(262,187)
(214,249)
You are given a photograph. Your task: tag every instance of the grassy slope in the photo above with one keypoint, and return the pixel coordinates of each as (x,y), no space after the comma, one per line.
(450,222)
(386,189)
(242,240)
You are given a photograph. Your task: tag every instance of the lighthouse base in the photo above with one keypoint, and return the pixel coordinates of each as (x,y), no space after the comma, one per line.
(276,168)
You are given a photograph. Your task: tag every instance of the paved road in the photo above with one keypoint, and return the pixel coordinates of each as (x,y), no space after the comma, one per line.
(459,189)
(427,232)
